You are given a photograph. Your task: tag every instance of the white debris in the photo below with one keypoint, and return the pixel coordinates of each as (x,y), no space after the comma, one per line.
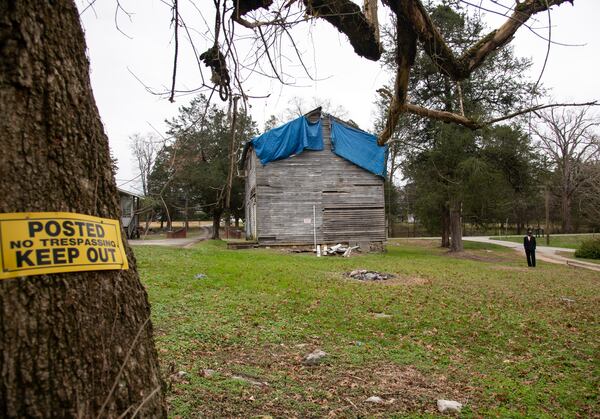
(567,300)
(375,399)
(349,251)
(315,357)
(449,406)
(335,250)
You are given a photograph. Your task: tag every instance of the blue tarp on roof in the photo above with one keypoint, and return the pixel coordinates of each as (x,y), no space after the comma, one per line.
(359,147)
(286,140)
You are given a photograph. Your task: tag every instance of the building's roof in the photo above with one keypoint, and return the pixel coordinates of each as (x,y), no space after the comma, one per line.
(304,133)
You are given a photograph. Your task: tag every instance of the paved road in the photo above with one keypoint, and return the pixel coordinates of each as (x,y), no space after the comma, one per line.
(547,254)
(205,233)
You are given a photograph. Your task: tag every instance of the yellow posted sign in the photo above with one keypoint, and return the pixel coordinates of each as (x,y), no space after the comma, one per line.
(39,243)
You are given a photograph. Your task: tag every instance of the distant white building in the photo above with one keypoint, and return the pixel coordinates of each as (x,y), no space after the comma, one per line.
(130,204)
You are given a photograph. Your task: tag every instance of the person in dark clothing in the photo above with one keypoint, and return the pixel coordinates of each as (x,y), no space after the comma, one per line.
(529,245)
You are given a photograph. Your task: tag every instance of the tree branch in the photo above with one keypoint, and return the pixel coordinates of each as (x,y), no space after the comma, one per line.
(406,41)
(244,6)
(350,20)
(413,20)
(474,124)
(175,22)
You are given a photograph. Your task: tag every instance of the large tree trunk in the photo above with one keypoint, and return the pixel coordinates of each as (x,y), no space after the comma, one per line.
(456,242)
(73,344)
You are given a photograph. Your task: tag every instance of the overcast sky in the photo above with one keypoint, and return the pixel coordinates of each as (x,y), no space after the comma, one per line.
(146,51)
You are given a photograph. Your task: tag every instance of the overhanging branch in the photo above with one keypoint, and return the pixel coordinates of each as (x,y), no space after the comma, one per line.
(347,18)
(413,19)
(475,124)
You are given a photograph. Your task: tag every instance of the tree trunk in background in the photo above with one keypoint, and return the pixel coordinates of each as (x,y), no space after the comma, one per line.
(216,224)
(187,221)
(77,344)
(456,242)
(227,225)
(567,224)
(445,227)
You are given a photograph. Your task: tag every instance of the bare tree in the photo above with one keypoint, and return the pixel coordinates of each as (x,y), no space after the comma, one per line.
(298,106)
(272,20)
(144,149)
(589,194)
(569,139)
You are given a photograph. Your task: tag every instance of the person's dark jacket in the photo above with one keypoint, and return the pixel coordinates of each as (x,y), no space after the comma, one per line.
(529,244)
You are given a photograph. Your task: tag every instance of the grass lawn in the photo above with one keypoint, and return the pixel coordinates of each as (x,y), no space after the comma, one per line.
(505,340)
(569,241)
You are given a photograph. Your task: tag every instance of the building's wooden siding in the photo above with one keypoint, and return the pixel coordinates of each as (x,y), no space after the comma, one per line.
(349,201)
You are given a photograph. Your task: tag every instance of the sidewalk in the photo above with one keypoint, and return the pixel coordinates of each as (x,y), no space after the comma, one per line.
(547,254)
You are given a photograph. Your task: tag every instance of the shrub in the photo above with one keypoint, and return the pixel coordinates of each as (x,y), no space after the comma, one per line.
(589,249)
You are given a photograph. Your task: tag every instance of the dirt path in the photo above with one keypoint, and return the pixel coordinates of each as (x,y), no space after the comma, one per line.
(205,234)
(547,254)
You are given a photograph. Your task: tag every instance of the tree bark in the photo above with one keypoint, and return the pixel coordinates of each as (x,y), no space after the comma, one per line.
(227,224)
(73,344)
(445,227)
(216,224)
(347,18)
(456,242)
(567,223)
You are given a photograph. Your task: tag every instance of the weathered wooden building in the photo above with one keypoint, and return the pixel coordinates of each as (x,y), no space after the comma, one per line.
(130,203)
(317,195)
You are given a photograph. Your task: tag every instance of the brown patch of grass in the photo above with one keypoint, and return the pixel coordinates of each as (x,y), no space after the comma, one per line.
(423,243)
(397,280)
(510,268)
(332,389)
(482,256)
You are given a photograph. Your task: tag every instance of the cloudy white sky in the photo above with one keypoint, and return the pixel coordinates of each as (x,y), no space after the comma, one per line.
(146,51)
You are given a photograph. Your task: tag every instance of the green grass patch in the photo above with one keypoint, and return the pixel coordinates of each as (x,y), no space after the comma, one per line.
(478,327)
(568,241)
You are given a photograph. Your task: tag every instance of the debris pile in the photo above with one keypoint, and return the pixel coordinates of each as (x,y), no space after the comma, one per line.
(338,249)
(364,275)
